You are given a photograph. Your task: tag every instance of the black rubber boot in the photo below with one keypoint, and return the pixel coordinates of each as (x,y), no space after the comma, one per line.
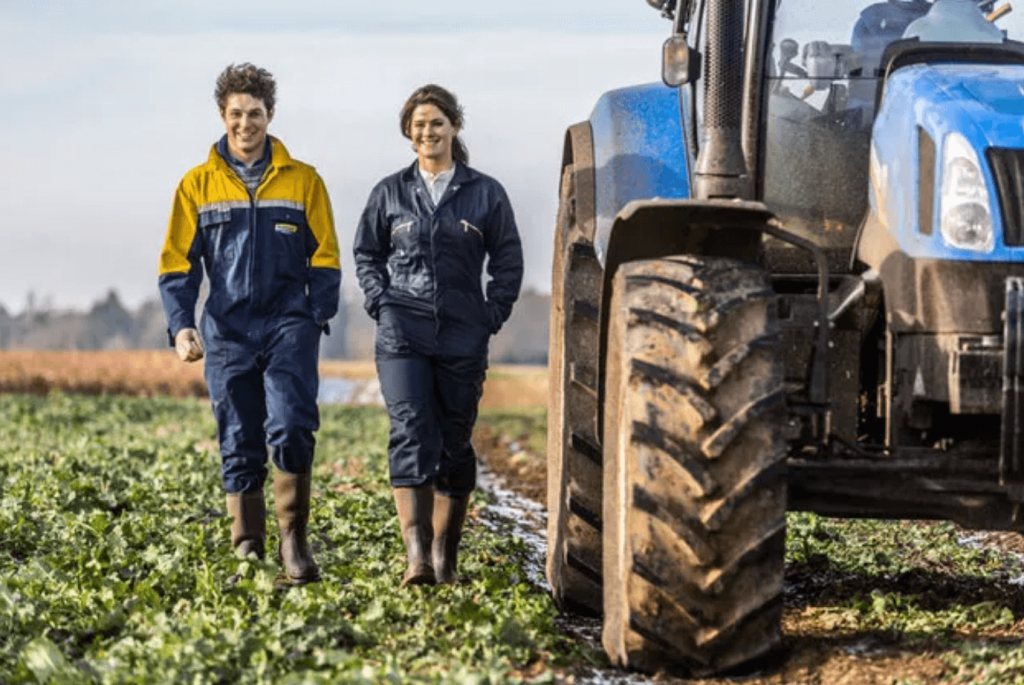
(248,522)
(449,515)
(291,499)
(415,506)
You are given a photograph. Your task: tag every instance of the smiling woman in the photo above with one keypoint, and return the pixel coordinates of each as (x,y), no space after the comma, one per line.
(432,119)
(420,250)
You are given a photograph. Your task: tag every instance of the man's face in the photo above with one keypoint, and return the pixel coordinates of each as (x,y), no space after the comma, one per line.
(246,119)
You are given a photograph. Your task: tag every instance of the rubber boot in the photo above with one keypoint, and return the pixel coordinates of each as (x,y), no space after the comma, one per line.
(291,499)
(415,506)
(248,522)
(449,515)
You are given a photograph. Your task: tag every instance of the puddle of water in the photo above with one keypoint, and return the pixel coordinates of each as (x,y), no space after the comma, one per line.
(527,520)
(975,541)
(335,390)
(980,540)
(349,391)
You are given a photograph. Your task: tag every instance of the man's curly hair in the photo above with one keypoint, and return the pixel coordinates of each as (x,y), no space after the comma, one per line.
(245,78)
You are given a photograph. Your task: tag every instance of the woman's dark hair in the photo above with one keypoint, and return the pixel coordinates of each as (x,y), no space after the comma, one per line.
(445,101)
(245,78)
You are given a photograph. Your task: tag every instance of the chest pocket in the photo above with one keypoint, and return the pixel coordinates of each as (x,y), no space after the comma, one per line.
(219,238)
(405,235)
(470,230)
(291,244)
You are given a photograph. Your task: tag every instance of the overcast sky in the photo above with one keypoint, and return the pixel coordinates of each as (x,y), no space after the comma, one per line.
(106,104)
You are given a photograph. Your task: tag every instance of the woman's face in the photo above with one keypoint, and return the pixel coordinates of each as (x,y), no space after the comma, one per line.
(432,135)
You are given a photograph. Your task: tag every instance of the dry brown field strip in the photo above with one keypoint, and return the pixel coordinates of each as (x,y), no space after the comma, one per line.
(135,372)
(146,373)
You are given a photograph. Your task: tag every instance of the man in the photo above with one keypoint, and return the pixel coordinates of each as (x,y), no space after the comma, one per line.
(260,223)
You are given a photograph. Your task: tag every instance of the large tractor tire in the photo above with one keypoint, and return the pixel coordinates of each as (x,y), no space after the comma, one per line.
(694,483)
(574,454)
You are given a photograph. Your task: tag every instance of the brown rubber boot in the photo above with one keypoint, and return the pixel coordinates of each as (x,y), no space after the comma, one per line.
(449,514)
(291,499)
(414,507)
(248,522)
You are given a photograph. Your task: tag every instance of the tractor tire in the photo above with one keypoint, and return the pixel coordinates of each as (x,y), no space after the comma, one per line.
(574,454)
(694,482)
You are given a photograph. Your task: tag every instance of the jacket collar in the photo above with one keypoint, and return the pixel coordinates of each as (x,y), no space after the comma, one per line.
(279,156)
(463,173)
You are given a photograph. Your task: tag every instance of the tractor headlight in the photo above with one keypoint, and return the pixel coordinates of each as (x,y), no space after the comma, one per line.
(965,221)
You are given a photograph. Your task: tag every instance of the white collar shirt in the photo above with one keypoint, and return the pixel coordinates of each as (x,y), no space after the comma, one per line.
(437,183)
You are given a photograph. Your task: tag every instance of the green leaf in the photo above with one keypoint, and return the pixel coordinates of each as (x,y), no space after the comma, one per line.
(43,659)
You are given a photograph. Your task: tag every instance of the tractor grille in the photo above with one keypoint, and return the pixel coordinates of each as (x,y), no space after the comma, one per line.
(1008,169)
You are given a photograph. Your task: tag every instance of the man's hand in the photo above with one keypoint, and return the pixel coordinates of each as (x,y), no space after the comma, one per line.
(188,345)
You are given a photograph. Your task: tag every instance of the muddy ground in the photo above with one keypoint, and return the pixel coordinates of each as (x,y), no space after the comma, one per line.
(814,651)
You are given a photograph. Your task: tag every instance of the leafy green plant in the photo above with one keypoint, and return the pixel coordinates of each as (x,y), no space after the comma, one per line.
(527,427)
(987,664)
(891,547)
(115,565)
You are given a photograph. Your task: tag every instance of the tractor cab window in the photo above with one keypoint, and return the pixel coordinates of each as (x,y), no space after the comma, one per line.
(822,80)
(820,106)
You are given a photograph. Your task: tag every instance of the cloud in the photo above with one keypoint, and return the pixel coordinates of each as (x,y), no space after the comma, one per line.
(395,16)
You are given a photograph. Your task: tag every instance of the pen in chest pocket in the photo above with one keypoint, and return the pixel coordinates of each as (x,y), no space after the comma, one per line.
(467,227)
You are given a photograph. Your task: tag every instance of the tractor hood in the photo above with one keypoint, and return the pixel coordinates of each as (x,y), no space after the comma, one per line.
(1000,89)
(983,102)
(922,104)
(991,96)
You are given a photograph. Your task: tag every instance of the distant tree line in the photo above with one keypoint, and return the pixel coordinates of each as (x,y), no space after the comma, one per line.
(109,325)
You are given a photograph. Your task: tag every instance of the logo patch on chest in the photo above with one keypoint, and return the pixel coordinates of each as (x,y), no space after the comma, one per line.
(286,228)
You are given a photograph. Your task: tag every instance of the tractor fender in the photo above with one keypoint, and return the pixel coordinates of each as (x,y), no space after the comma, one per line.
(649,229)
(641,150)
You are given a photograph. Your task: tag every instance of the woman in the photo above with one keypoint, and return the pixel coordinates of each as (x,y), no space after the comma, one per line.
(420,249)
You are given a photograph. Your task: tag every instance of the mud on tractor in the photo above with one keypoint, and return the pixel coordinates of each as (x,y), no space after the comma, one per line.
(788,277)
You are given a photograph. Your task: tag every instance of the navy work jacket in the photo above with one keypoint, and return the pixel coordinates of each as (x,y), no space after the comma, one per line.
(430,259)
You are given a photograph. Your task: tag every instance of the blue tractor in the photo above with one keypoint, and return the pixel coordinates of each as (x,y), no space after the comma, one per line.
(789,277)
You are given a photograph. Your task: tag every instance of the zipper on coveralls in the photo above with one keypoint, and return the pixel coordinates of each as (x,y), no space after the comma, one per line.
(253,226)
(253,310)
(428,202)
(448,192)
(267,175)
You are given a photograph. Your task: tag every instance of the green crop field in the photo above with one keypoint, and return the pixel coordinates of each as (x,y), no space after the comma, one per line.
(115,566)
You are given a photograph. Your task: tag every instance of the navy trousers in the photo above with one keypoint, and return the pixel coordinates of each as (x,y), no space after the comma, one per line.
(432,399)
(263,390)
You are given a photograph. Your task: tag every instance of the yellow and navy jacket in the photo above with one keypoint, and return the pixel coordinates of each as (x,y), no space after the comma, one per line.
(271,255)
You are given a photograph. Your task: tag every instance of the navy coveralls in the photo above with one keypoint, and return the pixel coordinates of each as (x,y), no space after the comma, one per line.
(420,267)
(273,266)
